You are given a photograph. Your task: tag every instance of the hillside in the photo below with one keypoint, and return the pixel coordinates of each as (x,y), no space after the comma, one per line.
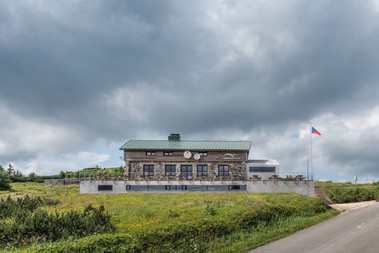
(187,222)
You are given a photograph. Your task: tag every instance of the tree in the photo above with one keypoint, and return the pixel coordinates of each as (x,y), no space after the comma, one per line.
(32,177)
(10,169)
(4,181)
(62,174)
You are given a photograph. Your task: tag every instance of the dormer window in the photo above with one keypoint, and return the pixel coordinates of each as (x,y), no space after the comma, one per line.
(150,153)
(168,153)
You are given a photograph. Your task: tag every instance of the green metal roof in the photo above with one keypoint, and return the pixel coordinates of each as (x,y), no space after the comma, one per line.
(186,145)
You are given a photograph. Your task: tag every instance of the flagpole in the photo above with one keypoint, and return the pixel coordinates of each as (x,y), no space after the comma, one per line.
(310,149)
(308,176)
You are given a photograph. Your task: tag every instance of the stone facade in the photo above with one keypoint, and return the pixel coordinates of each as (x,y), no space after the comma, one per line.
(237,169)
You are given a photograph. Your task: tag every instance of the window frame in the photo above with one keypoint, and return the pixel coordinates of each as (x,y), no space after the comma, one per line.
(150,153)
(104,187)
(262,169)
(148,169)
(200,170)
(171,172)
(223,170)
(186,167)
(168,153)
(203,153)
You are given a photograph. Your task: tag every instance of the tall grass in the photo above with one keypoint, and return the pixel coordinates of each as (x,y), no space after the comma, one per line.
(347,192)
(185,222)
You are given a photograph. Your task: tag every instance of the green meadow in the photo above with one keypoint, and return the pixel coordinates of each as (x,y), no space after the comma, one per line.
(172,222)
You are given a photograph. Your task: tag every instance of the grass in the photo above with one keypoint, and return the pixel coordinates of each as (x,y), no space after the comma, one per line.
(348,192)
(220,222)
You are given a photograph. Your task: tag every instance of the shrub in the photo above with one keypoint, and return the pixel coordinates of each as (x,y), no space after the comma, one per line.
(348,195)
(4,181)
(30,224)
(195,235)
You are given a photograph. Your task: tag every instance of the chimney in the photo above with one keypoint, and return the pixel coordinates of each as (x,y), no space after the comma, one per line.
(174,137)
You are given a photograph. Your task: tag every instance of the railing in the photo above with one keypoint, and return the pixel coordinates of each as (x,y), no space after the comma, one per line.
(283,176)
(158,177)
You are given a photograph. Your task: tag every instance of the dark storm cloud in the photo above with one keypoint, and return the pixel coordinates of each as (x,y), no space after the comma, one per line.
(105,70)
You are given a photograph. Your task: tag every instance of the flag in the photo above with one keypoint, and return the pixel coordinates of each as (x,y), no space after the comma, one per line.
(314,131)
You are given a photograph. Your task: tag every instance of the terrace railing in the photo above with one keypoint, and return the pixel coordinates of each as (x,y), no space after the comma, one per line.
(159,177)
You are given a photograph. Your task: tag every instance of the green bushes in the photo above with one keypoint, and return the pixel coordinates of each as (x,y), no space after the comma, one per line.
(11,208)
(351,194)
(4,181)
(218,220)
(23,222)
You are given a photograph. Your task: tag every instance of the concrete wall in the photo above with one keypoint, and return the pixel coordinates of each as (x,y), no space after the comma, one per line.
(275,186)
(270,186)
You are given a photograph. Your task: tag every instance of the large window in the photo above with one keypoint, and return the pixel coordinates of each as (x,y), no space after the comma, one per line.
(202,170)
(148,170)
(223,170)
(262,169)
(170,170)
(186,170)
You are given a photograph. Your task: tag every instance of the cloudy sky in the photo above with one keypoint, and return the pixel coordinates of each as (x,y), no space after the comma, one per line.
(80,78)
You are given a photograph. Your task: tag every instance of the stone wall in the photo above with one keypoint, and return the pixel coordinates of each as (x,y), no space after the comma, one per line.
(52,182)
(135,169)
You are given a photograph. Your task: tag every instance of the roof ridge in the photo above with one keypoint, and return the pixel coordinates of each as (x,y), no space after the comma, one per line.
(197,140)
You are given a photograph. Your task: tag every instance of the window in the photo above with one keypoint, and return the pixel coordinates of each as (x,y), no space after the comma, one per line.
(167,187)
(203,153)
(128,187)
(262,169)
(184,187)
(170,170)
(186,170)
(223,170)
(148,170)
(202,170)
(106,187)
(234,187)
(168,153)
(150,153)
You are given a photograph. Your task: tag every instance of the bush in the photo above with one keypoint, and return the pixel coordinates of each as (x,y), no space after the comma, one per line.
(348,195)
(26,223)
(194,235)
(4,181)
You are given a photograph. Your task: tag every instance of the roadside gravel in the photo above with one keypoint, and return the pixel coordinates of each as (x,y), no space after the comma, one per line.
(350,206)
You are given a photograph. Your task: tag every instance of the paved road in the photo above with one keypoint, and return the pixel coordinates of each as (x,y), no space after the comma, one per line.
(354,231)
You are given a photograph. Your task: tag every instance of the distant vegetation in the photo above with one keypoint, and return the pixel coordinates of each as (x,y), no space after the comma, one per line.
(10,175)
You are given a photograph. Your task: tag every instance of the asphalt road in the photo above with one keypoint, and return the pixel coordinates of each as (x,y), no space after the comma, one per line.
(353,231)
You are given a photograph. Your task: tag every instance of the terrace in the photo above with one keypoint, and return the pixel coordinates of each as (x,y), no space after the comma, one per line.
(187,177)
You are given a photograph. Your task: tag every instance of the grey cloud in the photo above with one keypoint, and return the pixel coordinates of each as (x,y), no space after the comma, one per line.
(199,68)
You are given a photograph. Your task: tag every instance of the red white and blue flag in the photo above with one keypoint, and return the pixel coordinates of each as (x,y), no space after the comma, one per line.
(314,131)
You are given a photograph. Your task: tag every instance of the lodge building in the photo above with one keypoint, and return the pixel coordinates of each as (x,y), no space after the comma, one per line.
(176,159)
(184,165)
